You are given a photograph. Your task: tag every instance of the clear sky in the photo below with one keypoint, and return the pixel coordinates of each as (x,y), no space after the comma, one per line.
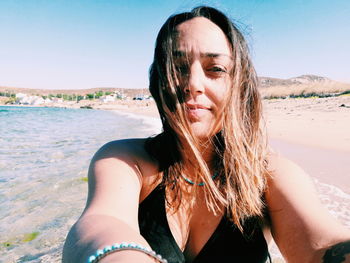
(66,44)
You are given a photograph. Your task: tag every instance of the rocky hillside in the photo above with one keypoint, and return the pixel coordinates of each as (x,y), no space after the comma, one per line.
(45,92)
(302,86)
(266,82)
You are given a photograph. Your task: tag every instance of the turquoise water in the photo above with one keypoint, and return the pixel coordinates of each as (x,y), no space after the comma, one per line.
(44,157)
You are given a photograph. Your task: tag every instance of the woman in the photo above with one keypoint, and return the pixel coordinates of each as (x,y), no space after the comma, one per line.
(207,186)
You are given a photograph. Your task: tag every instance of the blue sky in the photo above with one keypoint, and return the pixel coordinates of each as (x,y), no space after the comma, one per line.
(62,44)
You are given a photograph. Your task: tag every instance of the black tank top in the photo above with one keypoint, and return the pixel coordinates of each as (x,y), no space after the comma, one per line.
(226,244)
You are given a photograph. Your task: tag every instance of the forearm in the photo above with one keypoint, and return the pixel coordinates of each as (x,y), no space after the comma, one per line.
(97,231)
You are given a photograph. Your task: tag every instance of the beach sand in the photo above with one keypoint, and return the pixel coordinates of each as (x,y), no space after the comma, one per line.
(318,122)
(139,107)
(315,133)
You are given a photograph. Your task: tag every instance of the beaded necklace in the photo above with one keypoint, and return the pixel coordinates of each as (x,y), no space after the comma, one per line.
(198,184)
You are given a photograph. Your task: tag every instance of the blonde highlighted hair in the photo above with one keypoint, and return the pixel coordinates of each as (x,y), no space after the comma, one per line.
(240,146)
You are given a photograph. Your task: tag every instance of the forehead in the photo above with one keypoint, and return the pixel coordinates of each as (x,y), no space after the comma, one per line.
(200,35)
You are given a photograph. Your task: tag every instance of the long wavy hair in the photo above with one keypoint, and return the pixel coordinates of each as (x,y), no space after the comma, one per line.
(240,145)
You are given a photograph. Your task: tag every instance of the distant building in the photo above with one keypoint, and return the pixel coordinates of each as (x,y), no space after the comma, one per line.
(108,98)
(37,100)
(57,100)
(24,99)
(20,95)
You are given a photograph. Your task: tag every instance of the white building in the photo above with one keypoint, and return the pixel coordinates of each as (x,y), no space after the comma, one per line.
(108,98)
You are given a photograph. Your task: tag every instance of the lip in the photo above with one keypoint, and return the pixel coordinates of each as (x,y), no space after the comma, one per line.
(196,111)
(196,107)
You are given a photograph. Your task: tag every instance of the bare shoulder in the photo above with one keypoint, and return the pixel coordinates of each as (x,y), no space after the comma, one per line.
(130,152)
(280,166)
(290,189)
(120,173)
(127,148)
(285,172)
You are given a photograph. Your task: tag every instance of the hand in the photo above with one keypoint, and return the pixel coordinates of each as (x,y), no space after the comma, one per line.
(338,253)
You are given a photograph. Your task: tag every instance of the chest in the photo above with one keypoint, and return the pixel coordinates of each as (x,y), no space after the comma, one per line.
(200,236)
(192,229)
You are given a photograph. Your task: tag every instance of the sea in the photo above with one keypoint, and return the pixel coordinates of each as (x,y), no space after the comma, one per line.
(44,157)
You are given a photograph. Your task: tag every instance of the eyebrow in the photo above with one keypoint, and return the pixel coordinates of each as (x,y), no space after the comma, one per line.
(179,54)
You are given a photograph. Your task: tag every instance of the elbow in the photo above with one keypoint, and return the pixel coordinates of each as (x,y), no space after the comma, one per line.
(339,252)
(67,256)
(72,252)
(68,251)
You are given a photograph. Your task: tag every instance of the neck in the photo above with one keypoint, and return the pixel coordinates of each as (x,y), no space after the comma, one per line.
(206,150)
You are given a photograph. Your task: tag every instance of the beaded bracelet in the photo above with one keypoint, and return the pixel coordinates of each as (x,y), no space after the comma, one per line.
(100,253)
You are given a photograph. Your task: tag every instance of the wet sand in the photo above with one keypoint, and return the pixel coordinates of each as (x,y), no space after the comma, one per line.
(327,165)
(314,133)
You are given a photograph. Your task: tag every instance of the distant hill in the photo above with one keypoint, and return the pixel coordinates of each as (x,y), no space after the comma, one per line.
(303,79)
(46,92)
(302,86)
(266,83)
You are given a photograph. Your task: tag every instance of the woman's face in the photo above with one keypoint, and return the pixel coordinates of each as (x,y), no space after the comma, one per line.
(203,61)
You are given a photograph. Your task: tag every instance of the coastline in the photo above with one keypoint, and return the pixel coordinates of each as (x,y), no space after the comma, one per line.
(318,123)
(313,132)
(306,130)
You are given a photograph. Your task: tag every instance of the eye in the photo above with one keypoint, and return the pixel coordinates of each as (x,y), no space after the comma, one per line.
(216,71)
(182,69)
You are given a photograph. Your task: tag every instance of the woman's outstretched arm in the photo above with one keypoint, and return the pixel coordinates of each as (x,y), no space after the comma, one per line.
(303,229)
(111,212)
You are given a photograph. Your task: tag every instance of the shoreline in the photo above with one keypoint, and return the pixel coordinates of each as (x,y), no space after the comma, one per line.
(326,165)
(313,131)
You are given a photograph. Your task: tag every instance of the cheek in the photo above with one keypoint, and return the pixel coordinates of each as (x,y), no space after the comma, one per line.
(220,99)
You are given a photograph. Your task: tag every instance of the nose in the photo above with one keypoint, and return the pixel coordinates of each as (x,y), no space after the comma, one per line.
(195,80)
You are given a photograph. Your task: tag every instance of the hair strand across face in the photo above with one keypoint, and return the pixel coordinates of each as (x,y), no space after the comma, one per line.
(240,145)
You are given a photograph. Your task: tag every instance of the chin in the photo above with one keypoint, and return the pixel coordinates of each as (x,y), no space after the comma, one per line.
(205,128)
(202,133)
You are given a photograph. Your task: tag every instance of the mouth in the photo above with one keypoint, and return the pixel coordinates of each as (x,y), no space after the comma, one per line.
(196,107)
(195,111)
